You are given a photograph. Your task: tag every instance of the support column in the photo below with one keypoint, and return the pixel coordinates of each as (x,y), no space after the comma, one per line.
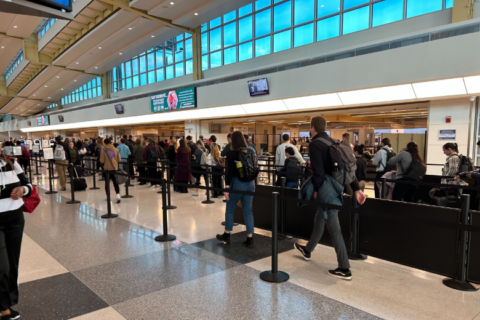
(197,54)
(462,10)
(106,88)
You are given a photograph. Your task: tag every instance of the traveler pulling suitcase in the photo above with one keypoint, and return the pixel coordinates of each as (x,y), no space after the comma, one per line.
(79,184)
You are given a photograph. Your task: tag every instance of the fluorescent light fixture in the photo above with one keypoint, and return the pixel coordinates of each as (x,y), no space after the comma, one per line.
(229,111)
(318,101)
(263,107)
(100,48)
(394,93)
(196,13)
(439,88)
(472,84)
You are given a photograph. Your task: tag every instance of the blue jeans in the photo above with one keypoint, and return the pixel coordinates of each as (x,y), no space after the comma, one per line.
(246,204)
(292,184)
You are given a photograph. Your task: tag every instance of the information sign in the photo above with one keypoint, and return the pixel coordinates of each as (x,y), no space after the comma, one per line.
(173,100)
(447,134)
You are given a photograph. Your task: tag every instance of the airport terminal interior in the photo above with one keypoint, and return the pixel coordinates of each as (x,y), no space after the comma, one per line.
(257,90)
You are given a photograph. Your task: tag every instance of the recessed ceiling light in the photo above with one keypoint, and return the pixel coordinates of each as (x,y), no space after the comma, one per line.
(15,27)
(130,28)
(96,67)
(49,98)
(46,86)
(196,13)
(29,110)
(77,62)
(58,77)
(100,48)
(16,108)
(34,95)
(3,47)
(120,53)
(152,36)
(61,89)
(38,104)
(172,3)
(75,80)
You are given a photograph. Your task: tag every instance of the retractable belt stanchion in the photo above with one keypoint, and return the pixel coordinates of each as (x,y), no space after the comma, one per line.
(274,275)
(128,171)
(102,173)
(127,184)
(268,173)
(168,191)
(109,214)
(94,176)
(384,188)
(36,165)
(73,201)
(30,172)
(207,184)
(354,221)
(460,283)
(168,182)
(274,176)
(50,178)
(165,236)
(281,235)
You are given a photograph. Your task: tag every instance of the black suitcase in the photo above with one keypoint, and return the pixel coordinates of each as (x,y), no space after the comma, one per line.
(79,184)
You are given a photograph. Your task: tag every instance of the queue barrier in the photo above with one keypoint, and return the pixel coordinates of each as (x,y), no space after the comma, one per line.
(473,269)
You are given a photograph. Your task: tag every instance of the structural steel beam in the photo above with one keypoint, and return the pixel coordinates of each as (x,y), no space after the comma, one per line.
(197,54)
(4,35)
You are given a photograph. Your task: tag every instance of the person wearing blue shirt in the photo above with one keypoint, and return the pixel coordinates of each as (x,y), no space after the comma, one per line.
(124,151)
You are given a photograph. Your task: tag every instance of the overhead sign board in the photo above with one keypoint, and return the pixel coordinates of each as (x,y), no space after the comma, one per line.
(56,4)
(43,121)
(58,9)
(447,134)
(174,100)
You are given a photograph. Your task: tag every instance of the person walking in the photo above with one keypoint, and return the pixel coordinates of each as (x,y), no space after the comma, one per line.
(233,182)
(199,156)
(381,161)
(110,157)
(182,158)
(322,168)
(151,154)
(62,159)
(139,161)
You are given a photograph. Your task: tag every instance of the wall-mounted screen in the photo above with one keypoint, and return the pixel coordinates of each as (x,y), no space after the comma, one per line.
(258,87)
(43,121)
(61,119)
(174,100)
(56,4)
(119,109)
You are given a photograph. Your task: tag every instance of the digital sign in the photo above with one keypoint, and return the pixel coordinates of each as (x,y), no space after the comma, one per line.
(173,100)
(56,4)
(43,121)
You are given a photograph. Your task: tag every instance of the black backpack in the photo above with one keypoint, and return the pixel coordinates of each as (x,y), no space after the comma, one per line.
(416,171)
(344,157)
(294,169)
(387,167)
(152,154)
(465,164)
(249,161)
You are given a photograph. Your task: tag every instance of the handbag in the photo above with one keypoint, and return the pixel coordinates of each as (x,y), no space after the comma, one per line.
(120,175)
(31,202)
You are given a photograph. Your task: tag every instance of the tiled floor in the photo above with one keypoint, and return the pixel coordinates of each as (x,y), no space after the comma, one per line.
(75,265)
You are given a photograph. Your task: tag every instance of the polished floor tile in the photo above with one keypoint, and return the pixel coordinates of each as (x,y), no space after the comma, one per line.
(381,288)
(103,314)
(59,297)
(240,253)
(131,278)
(237,293)
(36,263)
(78,238)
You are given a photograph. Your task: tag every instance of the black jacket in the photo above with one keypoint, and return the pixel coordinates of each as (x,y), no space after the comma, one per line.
(321,162)
(361,172)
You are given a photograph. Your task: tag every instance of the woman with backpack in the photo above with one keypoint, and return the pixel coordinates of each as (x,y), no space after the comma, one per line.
(233,181)
(405,160)
(381,161)
(200,167)
(218,164)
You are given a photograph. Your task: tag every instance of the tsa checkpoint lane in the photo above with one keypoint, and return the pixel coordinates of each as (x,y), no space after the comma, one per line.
(191,222)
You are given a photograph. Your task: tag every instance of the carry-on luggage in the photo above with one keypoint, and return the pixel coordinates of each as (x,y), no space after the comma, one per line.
(79,184)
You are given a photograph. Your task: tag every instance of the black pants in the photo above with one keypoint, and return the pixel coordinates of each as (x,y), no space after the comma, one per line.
(111,174)
(217,180)
(404,191)
(11,233)
(141,173)
(152,172)
(131,171)
(377,191)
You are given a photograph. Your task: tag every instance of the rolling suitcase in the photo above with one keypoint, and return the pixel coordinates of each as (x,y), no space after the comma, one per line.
(79,184)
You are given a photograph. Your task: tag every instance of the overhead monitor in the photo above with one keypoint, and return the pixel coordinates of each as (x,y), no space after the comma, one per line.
(56,4)
(61,119)
(119,109)
(43,121)
(258,87)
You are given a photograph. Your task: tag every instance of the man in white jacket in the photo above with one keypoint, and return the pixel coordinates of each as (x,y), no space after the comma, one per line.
(280,154)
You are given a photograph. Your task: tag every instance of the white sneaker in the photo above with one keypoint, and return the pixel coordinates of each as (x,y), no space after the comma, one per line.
(195,194)
(118,198)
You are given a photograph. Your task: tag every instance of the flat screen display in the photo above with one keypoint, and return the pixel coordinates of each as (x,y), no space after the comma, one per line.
(61,119)
(56,4)
(174,100)
(258,87)
(43,121)
(119,109)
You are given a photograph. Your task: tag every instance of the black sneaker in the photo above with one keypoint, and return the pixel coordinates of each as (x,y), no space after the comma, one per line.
(12,316)
(306,255)
(249,242)
(339,274)
(225,237)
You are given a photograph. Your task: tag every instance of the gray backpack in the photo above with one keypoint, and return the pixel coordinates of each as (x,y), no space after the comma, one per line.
(345,158)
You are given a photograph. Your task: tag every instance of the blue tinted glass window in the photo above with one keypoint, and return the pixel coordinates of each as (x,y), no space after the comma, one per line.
(303,35)
(260,4)
(262,23)
(188,49)
(179,37)
(326,7)
(136,83)
(303,11)
(169,54)
(275,1)
(282,16)
(448,3)
(215,22)
(230,34)
(282,41)
(230,55)
(99,90)
(245,30)
(204,27)
(243,11)
(143,64)
(159,58)
(216,59)
(356,20)
(205,42)
(151,61)
(189,67)
(160,75)
(179,51)
(169,72)
(419,7)
(229,16)
(328,28)
(143,79)
(245,51)
(179,70)
(215,39)
(352,3)
(187,35)
(387,11)
(205,62)
(128,69)
(262,46)
(151,77)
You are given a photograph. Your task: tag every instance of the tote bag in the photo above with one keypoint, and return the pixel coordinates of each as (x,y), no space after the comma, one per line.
(31,202)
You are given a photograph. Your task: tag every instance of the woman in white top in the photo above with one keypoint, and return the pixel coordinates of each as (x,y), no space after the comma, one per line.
(13,187)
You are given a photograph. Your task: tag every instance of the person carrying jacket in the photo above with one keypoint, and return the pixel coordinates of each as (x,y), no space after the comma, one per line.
(380,160)
(151,154)
(327,192)
(110,158)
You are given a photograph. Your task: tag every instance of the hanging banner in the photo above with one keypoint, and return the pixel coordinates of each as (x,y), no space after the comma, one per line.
(173,100)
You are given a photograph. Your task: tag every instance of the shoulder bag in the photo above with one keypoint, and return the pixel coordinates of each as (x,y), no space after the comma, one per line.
(120,175)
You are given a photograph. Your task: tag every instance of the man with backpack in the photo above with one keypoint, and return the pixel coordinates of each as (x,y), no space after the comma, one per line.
(62,159)
(151,154)
(381,161)
(331,165)
(292,169)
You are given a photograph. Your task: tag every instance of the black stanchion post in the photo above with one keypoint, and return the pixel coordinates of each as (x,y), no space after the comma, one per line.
(165,237)
(109,214)
(128,171)
(94,178)
(460,283)
(169,194)
(274,176)
(384,188)
(274,275)
(36,165)
(50,178)
(168,179)
(127,184)
(207,184)
(268,169)
(73,201)
(30,172)
(351,202)
(281,235)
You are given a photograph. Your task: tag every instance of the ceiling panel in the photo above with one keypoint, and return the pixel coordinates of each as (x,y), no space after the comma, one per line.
(8,49)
